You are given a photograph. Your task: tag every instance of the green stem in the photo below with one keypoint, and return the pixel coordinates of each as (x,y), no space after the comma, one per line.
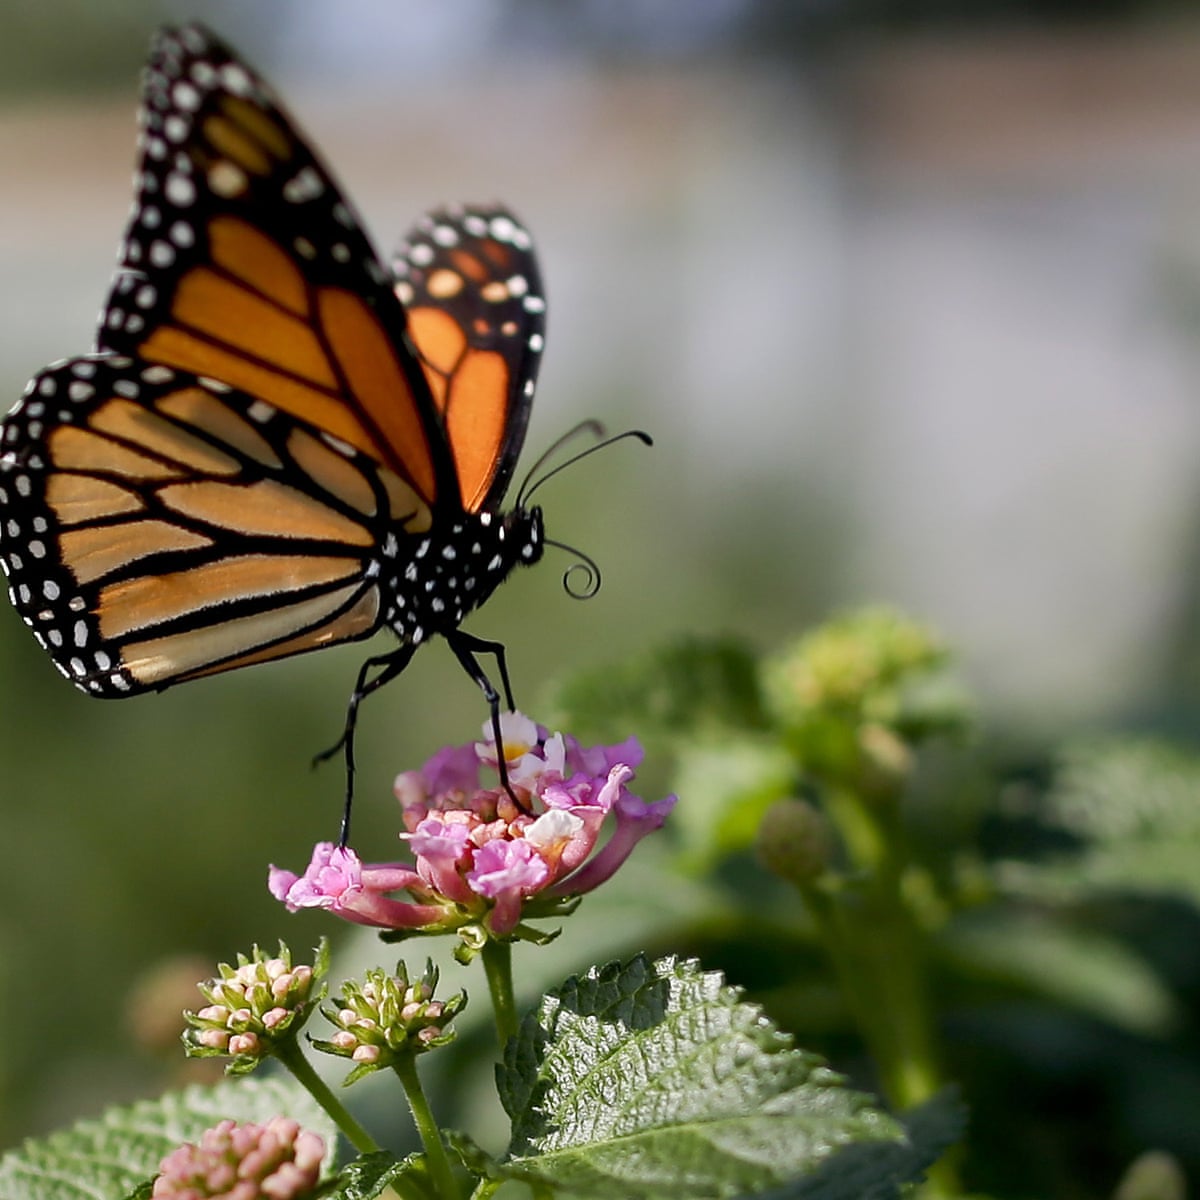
(431,1137)
(497,966)
(862,831)
(877,951)
(293,1058)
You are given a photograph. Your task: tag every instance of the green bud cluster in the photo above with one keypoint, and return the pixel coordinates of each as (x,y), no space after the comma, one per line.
(857,695)
(387,1017)
(254,1007)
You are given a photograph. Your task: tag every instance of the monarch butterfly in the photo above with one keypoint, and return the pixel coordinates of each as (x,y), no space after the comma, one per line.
(278,444)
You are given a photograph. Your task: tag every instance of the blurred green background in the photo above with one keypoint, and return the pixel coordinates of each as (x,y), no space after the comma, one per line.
(908,296)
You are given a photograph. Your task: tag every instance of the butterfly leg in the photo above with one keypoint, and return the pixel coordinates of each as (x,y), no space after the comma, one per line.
(477,645)
(466,646)
(390,665)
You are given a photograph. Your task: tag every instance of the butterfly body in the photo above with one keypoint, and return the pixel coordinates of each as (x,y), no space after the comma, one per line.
(279,442)
(454,570)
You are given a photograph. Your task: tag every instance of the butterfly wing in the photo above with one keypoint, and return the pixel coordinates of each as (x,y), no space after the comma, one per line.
(243,262)
(469,281)
(157,526)
(223,482)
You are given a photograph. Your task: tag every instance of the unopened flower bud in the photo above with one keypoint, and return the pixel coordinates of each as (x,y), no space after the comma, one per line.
(887,757)
(244,1043)
(795,842)
(275,1017)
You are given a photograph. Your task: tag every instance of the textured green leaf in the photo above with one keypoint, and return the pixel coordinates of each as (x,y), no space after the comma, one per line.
(680,688)
(648,1079)
(373,1174)
(1117,789)
(1130,804)
(878,1170)
(115,1153)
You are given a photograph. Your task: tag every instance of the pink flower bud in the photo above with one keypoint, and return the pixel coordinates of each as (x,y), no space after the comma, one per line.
(244,1043)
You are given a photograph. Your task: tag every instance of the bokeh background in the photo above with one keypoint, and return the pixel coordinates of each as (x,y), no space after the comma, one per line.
(908,295)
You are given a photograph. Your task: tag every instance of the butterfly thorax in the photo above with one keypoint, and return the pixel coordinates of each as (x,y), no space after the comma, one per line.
(430,584)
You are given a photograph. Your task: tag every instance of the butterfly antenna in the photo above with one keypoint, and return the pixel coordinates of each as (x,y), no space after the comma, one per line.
(527,488)
(589,426)
(587,564)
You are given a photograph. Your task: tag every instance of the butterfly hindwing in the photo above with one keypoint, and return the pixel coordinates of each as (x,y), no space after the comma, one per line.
(158,526)
(469,280)
(242,261)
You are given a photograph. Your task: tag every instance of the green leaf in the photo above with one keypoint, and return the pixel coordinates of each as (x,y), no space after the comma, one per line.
(1080,968)
(1131,806)
(372,1174)
(682,688)
(878,1170)
(112,1155)
(727,787)
(648,1079)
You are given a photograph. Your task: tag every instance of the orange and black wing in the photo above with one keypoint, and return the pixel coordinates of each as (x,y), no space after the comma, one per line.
(469,280)
(243,262)
(158,526)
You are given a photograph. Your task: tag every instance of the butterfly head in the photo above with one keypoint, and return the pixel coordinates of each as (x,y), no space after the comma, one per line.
(524,528)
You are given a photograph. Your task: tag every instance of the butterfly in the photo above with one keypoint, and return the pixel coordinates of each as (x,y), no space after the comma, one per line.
(279,443)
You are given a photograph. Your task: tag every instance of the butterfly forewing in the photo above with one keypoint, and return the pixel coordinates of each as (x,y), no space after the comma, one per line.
(158,526)
(267,454)
(242,261)
(469,280)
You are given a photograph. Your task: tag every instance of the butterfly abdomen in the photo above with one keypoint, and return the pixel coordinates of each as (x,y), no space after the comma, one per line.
(454,569)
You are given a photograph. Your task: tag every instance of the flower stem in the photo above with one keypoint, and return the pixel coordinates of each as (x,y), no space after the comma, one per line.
(431,1138)
(497,966)
(877,949)
(293,1058)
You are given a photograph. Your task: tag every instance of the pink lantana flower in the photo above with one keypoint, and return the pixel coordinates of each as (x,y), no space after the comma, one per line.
(337,879)
(479,859)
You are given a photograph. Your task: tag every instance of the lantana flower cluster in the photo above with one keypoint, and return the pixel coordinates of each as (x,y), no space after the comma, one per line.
(255,1006)
(274,1161)
(485,858)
